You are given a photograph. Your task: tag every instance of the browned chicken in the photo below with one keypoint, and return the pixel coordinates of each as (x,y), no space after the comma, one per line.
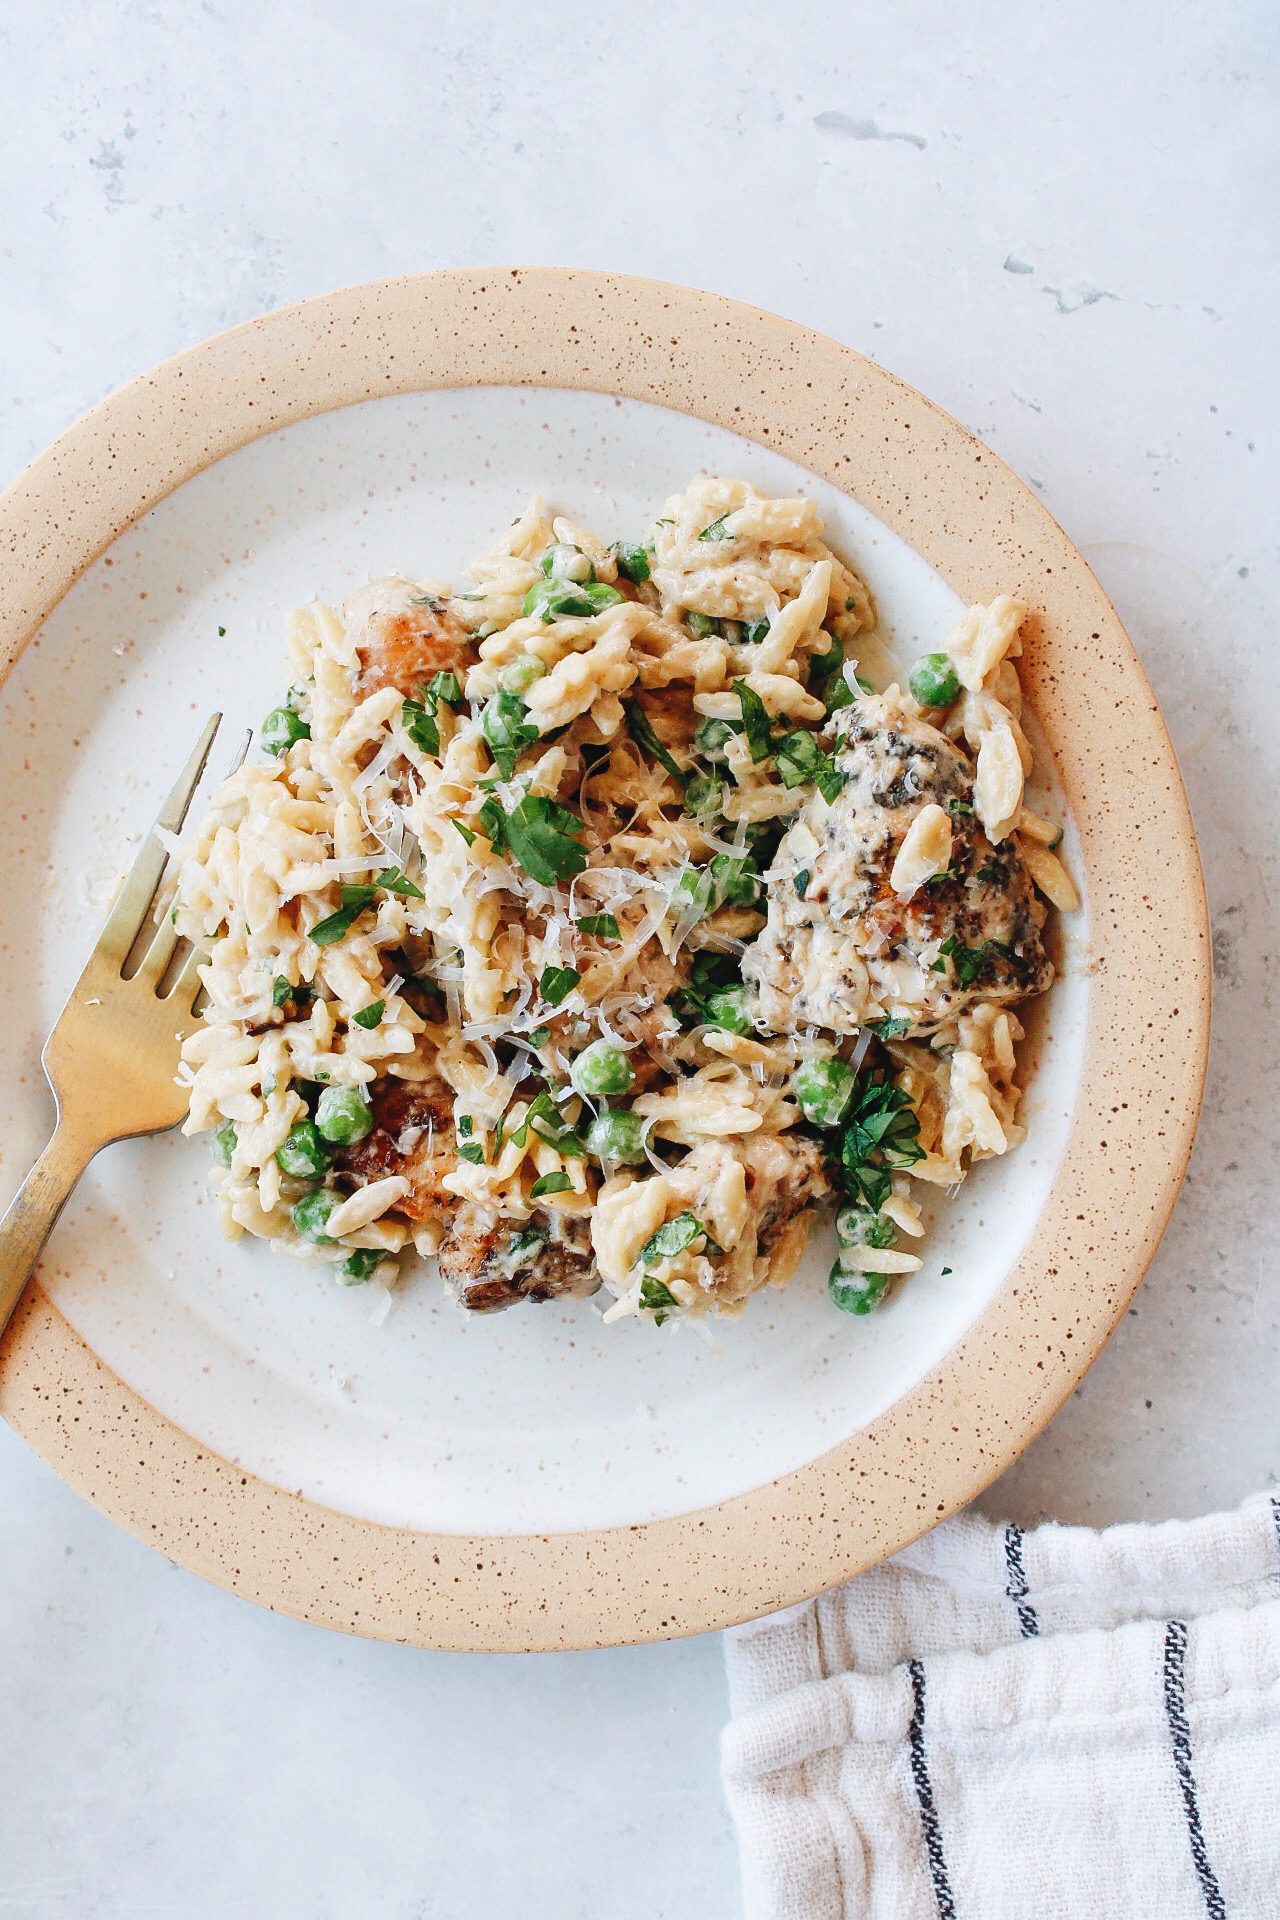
(487,1267)
(404,636)
(846,949)
(412,1135)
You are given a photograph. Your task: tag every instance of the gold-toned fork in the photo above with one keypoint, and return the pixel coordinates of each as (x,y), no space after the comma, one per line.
(112,1057)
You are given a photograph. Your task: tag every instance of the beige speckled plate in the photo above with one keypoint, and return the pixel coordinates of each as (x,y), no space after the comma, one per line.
(557,1490)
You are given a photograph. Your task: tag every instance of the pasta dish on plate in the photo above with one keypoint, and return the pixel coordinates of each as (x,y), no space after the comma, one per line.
(602,924)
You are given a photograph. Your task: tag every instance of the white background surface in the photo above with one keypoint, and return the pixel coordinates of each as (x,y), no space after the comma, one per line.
(1061,226)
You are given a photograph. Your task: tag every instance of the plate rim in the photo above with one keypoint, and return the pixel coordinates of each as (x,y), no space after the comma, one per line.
(796,392)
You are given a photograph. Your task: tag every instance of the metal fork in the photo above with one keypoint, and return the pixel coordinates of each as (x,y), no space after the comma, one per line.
(112,1057)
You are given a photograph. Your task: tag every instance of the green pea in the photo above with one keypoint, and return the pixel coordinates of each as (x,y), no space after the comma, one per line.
(602,1069)
(343,1116)
(737,879)
(934,681)
(727,1010)
(634,562)
(568,599)
(361,1265)
(617,1135)
(521,673)
(281,728)
(859,1227)
(224,1143)
(856,1292)
(563,562)
(311,1215)
(303,1153)
(704,795)
(824,1089)
(702,625)
(712,738)
(696,888)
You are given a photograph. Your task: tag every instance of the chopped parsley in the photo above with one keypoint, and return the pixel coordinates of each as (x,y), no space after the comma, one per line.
(717,530)
(558,1182)
(754,631)
(709,975)
(472,1152)
(674,1237)
(891,1029)
(354,901)
(882,1132)
(801,761)
(656,1299)
(802,881)
(755,721)
(956,806)
(603,925)
(420,718)
(1021,967)
(727,880)
(540,834)
(641,731)
(283,990)
(521,1248)
(538,1036)
(394,881)
(826,681)
(466,833)
(967,961)
(557,983)
(507,730)
(370,1016)
(544,1118)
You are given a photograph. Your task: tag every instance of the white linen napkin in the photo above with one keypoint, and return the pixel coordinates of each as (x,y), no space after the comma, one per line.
(999,1725)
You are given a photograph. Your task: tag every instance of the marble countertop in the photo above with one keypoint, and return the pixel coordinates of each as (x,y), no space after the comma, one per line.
(1059,225)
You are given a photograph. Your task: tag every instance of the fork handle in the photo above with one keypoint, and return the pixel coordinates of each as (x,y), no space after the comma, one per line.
(29,1220)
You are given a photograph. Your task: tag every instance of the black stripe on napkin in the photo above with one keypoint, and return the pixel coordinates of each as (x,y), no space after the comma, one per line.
(1175,1706)
(924,1794)
(1016,1587)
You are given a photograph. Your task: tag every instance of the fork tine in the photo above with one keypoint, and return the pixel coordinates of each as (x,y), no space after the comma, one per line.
(174,811)
(246,742)
(159,953)
(187,981)
(138,891)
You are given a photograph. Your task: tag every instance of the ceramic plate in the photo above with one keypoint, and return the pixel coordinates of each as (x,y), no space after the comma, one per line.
(538,1479)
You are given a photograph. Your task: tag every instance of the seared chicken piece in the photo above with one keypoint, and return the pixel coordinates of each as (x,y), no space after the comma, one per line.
(485,1266)
(488,1266)
(412,1135)
(404,636)
(785,1174)
(851,949)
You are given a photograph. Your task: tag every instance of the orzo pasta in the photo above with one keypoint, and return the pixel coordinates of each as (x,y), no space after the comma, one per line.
(600,922)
